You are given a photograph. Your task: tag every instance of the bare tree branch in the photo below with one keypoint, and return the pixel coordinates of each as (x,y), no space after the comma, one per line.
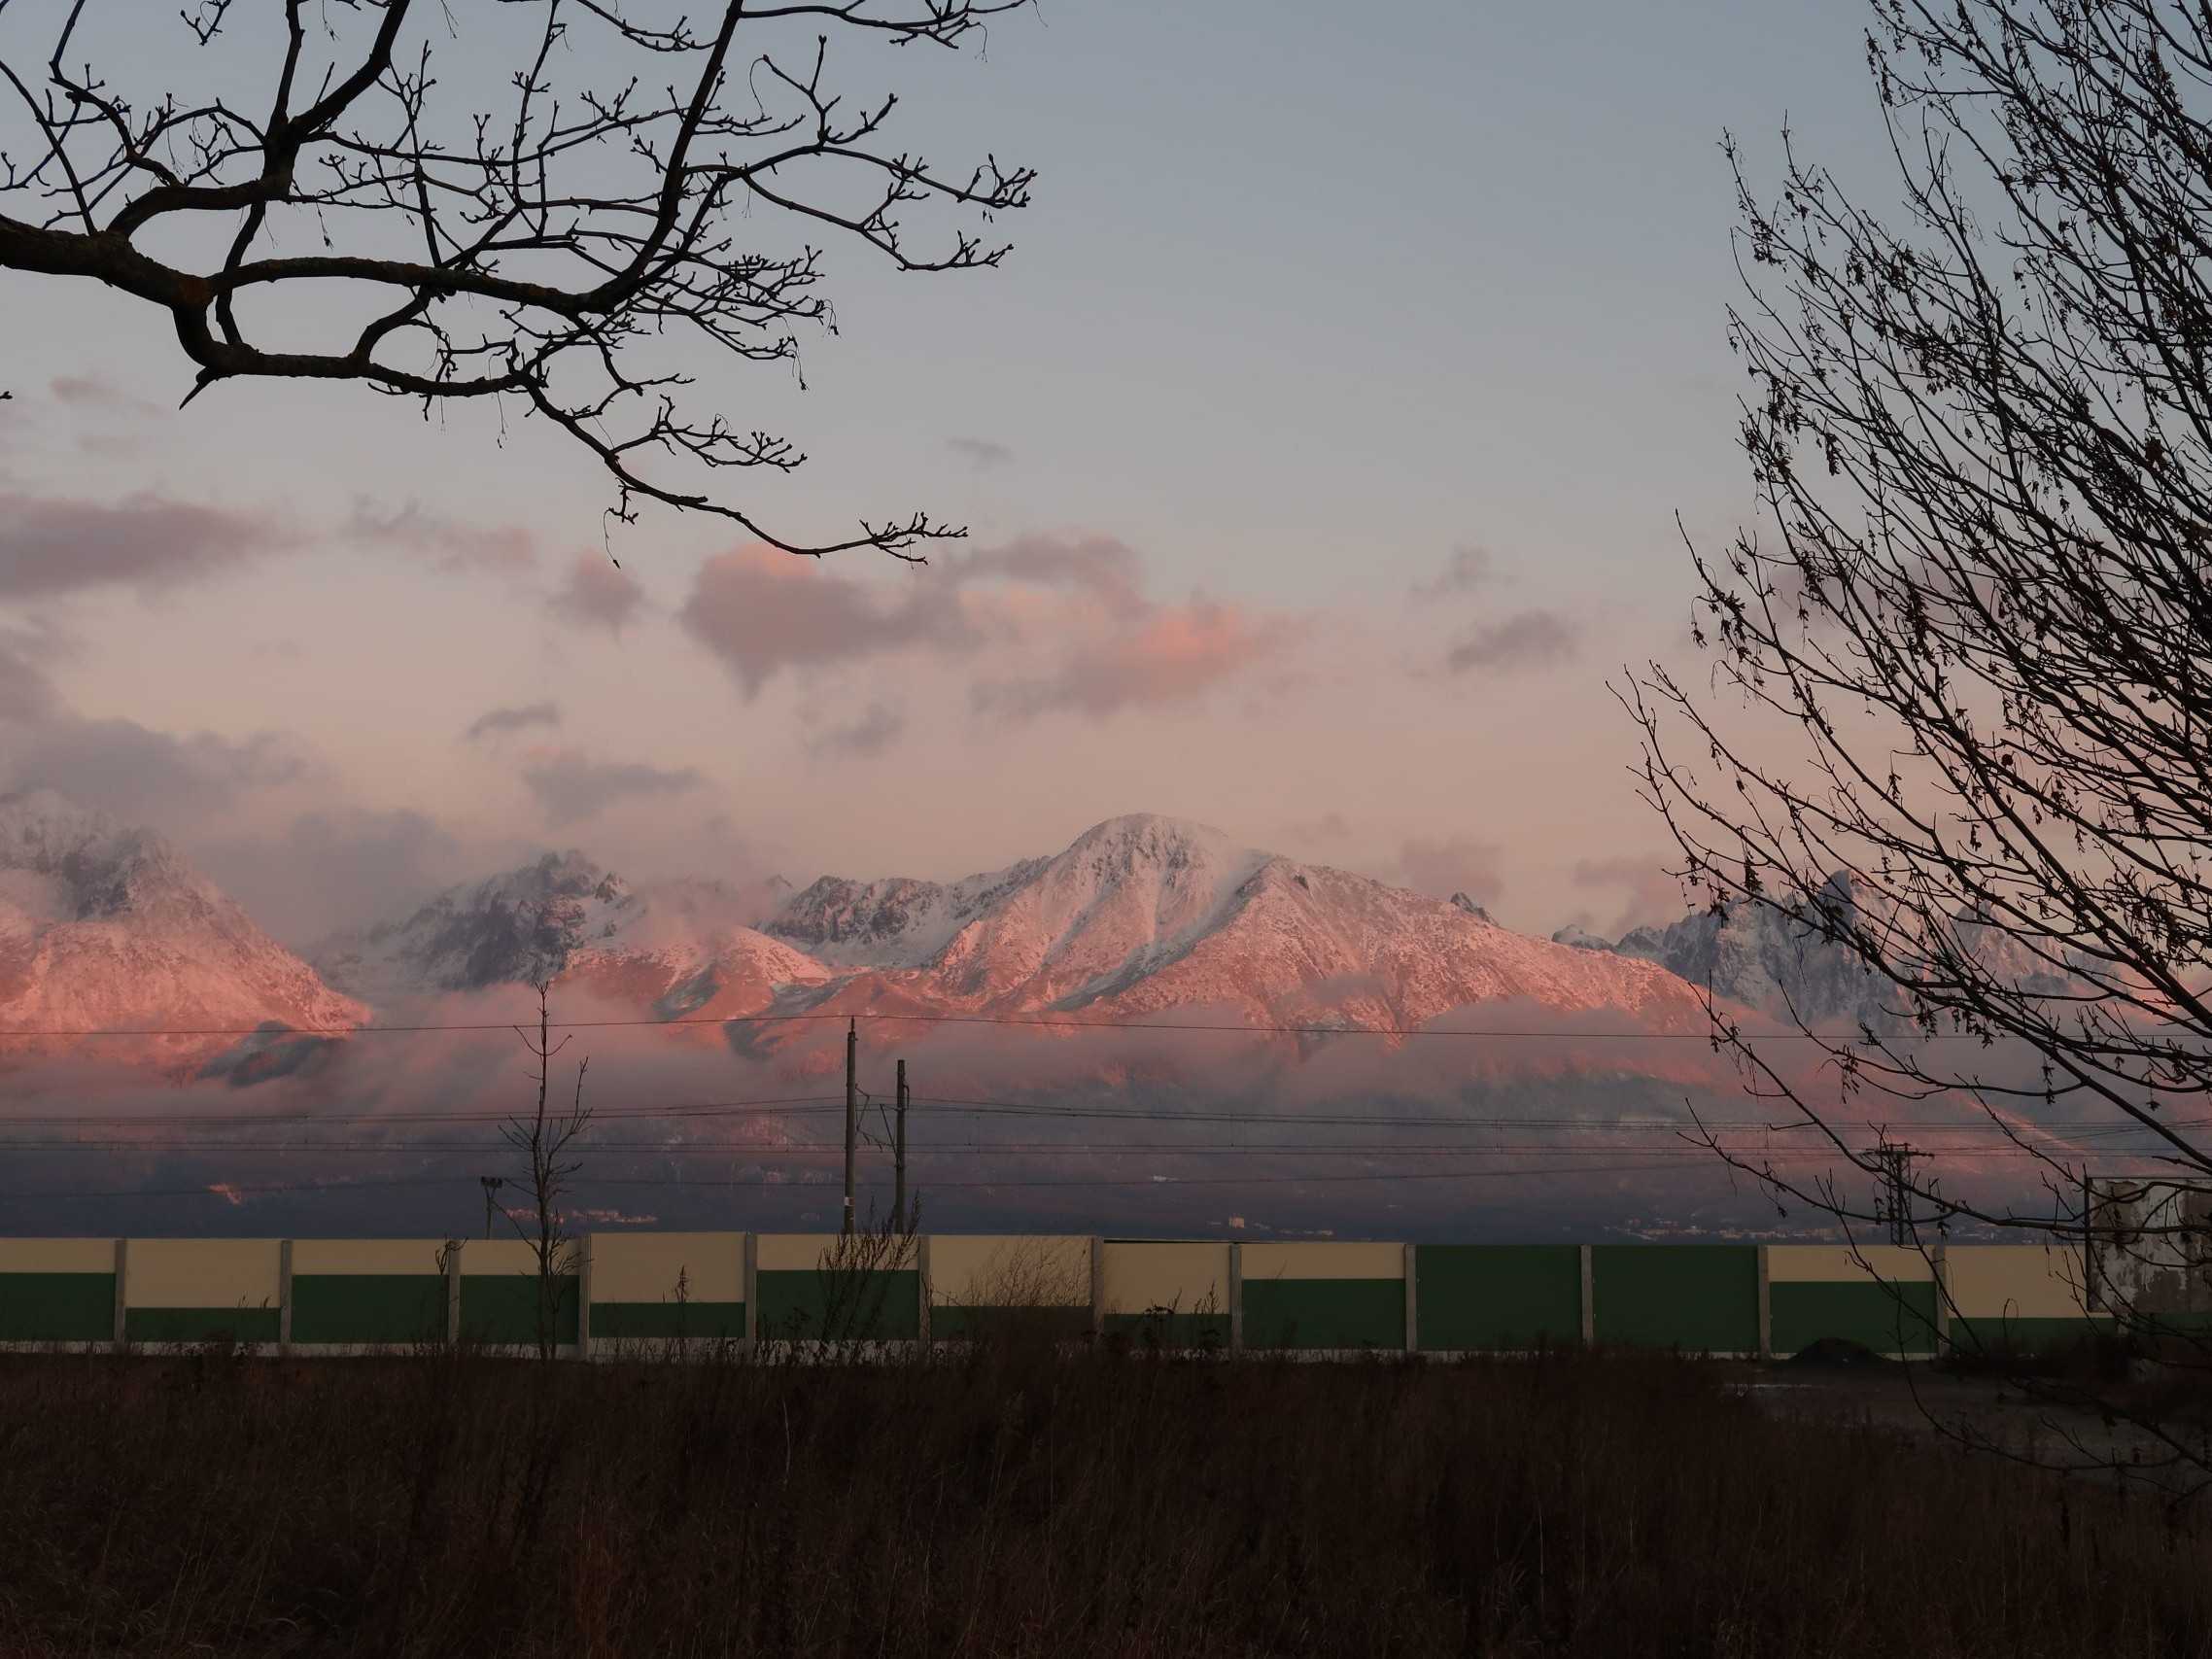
(536,241)
(1969,644)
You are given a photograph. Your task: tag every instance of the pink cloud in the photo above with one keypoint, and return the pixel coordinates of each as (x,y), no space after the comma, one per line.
(598,594)
(1066,618)
(762,612)
(1176,653)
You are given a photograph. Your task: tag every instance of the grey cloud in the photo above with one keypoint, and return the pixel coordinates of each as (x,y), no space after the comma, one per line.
(598,594)
(981,453)
(570,787)
(872,734)
(1527,638)
(52,545)
(1468,568)
(26,693)
(142,776)
(494,721)
(1097,564)
(335,868)
(450,545)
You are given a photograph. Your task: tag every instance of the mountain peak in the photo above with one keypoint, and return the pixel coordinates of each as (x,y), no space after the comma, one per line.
(106,925)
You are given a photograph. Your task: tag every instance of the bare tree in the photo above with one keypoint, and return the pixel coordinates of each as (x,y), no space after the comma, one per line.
(546,1140)
(518,202)
(1969,641)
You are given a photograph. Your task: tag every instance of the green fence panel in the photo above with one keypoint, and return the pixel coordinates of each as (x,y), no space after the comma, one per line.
(840,1304)
(1164,1329)
(1698,1298)
(367,1308)
(1890,1317)
(58,1307)
(502,1308)
(1990,1335)
(1325,1313)
(1497,1295)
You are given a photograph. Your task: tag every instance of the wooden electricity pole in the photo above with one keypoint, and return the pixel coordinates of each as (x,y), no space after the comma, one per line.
(899,1154)
(851,1112)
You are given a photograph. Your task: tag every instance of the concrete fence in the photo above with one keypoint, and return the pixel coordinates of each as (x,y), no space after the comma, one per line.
(623,1292)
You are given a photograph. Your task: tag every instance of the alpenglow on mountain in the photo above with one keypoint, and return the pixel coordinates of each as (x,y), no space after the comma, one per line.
(1139,916)
(1142,917)
(105,927)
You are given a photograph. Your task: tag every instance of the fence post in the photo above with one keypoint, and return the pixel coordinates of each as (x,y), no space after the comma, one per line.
(1412,1304)
(752,1290)
(921,1289)
(1766,1311)
(1939,1261)
(1236,1298)
(1097,1286)
(122,1290)
(283,1297)
(1589,1299)
(453,1248)
(584,1297)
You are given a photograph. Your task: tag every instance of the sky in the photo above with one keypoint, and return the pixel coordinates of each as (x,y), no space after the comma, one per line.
(1322,441)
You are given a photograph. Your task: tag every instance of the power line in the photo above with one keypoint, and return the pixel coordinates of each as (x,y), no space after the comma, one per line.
(799,1104)
(228,1191)
(656,1148)
(1046,1022)
(225,1189)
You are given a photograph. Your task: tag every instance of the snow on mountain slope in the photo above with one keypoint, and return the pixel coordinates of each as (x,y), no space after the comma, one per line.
(1138,916)
(688,945)
(1143,914)
(1128,896)
(1309,944)
(1777,960)
(106,927)
(896,923)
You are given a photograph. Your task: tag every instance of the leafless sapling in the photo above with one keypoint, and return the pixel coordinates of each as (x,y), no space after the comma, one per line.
(546,1141)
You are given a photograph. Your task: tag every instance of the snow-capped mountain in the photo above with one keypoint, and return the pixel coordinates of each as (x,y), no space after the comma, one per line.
(1140,917)
(1779,962)
(1143,914)
(106,927)
(897,922)
(1779,965)
(690,942)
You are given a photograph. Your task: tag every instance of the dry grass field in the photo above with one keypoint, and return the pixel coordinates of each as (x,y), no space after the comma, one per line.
(1007,1501)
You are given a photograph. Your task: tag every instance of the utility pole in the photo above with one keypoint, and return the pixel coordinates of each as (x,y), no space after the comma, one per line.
(851,1112)
(899,1154)
(1895,1205)
(491,1184)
